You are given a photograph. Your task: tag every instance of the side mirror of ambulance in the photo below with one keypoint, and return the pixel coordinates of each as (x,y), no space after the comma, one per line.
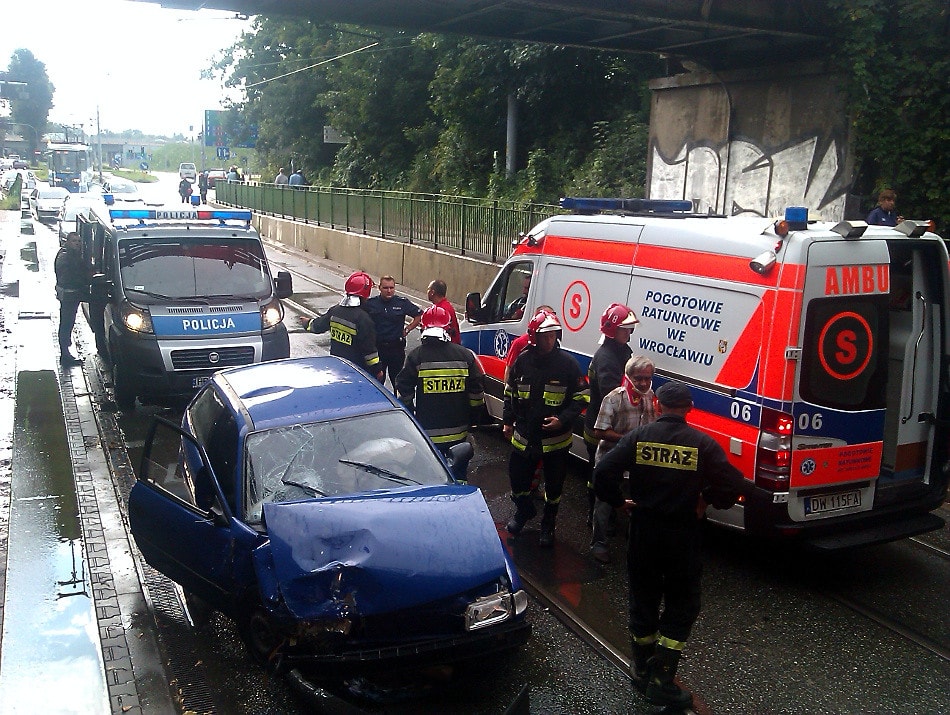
(473,307)
(763,263)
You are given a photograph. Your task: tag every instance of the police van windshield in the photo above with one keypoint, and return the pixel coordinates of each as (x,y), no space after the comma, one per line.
(194,268)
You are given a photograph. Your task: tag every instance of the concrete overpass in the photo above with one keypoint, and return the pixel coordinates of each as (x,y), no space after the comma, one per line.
(741,124)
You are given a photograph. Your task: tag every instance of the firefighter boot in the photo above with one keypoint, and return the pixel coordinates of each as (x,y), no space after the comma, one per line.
(640,663)
(661,690)
(547,525)
(524,510)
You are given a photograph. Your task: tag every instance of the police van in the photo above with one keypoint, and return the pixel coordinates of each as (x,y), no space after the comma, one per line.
(816,351)
(177,295)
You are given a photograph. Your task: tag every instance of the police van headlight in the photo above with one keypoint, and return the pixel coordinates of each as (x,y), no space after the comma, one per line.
(136,319)
(272,314)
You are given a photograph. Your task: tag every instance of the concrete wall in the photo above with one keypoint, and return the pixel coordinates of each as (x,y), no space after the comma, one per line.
(412,266)
(752,141)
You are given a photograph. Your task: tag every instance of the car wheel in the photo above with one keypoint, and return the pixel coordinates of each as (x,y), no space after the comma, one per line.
(124,391)
(262,640)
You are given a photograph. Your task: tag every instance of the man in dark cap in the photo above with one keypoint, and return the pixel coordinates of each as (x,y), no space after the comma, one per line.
(675,471)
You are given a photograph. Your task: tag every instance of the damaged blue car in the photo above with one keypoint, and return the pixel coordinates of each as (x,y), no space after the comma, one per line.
(299,498)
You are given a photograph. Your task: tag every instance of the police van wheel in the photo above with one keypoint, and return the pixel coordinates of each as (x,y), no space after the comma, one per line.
(124,392)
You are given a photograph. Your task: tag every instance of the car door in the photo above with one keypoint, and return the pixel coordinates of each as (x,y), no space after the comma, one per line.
(179,518)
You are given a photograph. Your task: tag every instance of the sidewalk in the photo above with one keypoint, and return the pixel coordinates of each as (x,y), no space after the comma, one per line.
(124,645)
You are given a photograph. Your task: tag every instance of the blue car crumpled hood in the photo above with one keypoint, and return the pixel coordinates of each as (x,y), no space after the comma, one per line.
(382,552)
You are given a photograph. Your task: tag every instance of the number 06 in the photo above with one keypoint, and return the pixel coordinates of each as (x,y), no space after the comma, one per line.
(740,411)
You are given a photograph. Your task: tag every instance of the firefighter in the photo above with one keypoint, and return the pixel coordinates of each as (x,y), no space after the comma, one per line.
(352,334)
(675,471)
(605,374)
(544,394)
(442,384)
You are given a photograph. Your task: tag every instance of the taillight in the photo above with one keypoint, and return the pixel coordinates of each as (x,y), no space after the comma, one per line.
(774,454)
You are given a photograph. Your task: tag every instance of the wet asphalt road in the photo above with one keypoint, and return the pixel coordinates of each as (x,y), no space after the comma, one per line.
(781,631)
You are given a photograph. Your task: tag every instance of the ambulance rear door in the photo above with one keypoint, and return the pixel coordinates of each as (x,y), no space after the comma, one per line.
(869,369)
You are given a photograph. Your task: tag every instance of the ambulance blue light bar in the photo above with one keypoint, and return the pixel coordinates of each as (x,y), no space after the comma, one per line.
(590,205)
(180,214)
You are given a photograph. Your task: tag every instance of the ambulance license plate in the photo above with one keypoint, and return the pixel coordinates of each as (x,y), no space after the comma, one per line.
(197,382)
(821,503)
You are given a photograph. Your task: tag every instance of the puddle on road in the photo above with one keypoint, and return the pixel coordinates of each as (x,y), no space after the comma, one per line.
(50,660)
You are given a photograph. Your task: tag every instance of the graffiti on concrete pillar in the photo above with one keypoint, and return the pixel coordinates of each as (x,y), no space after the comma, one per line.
(744,178)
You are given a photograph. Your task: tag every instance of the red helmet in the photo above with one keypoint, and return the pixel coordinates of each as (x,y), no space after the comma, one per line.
(544,321)
(436,317)
(616,316)
(359,284)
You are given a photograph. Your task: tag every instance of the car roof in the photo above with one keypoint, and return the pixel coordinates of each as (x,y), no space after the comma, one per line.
(303,390)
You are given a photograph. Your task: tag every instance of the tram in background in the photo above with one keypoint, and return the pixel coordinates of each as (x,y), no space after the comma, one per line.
(70,166)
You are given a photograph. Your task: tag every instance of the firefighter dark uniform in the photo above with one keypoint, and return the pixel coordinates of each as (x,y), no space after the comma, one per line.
(443,384)
(352,333)
(605,374)
(541,385)
(674,471)
(72,286)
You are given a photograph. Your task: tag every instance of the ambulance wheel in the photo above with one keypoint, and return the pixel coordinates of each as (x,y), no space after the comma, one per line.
(124,391)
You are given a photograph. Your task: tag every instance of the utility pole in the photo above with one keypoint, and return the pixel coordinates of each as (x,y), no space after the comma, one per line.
(99,143)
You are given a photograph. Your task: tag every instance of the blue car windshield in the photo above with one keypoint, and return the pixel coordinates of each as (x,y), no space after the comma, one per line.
(336,458)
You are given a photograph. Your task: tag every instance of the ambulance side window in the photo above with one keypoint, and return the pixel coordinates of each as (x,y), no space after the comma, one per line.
(508,298)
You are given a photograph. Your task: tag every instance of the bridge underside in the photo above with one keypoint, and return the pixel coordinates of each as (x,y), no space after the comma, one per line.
(716,35)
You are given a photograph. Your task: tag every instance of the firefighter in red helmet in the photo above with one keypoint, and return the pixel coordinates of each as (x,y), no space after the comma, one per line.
(352,333)
(442,384)
(604,374)
(544,394)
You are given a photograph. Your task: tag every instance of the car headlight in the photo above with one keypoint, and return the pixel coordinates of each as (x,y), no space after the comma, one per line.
(489,610)
(137,319)
(272,314)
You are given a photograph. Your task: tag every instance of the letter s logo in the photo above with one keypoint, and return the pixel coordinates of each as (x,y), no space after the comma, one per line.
(847,351)
(577,303)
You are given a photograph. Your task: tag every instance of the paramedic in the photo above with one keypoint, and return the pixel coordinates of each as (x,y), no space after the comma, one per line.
(71,285)
(515,309)
(442,384)
(352,335)
(624,409)
(544,394)
(389,312)
(884,214)
(436,295)
(674,471)
(604,374)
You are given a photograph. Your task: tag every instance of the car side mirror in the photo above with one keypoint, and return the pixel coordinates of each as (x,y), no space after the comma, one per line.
(101,288)
(284,284)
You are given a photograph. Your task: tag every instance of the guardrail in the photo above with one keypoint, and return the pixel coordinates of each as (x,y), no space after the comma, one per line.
(479,227)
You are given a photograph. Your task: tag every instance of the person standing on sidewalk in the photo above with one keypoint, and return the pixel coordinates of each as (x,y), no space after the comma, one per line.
(443,385)
(436,294)
(389,312)
(72,285)
(544,394)
(352,335)
(675,470)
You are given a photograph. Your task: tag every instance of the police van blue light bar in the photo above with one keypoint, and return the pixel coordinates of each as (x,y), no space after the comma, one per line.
(180,214)
(589,205)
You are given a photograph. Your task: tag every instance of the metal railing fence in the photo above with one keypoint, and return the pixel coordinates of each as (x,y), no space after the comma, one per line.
(482,228)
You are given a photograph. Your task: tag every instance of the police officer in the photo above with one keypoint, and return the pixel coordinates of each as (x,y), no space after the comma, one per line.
(442,383)
(352,335)
(675,471)
(72,284)
(605,373)
(389,312)
(544,393)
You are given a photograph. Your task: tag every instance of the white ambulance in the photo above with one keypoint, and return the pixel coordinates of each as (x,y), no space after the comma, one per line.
(816,352)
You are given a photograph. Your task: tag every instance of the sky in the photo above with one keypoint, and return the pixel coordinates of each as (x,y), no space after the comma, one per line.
(137,62)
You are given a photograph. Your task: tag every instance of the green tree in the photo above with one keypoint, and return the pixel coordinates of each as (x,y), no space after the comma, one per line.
(32,103)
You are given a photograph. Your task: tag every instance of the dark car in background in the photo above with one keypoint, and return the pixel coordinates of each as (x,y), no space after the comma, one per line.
(214,175)
(301,499)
